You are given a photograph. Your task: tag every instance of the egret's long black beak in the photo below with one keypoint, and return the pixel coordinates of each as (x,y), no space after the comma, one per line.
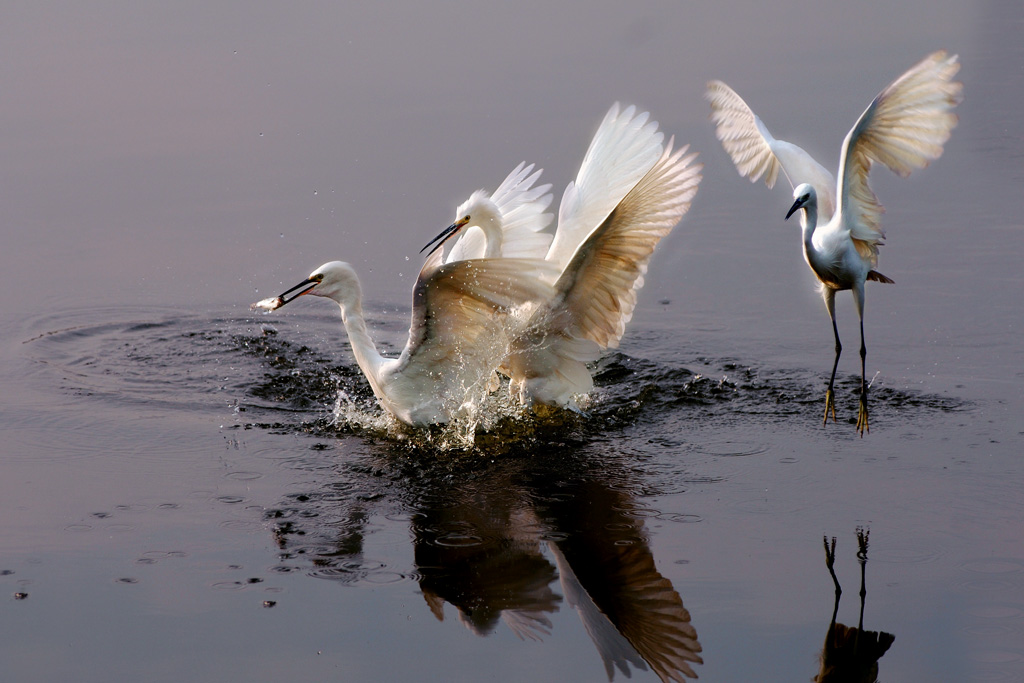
(305,286)
(274,303)
(797,205)
(444,235)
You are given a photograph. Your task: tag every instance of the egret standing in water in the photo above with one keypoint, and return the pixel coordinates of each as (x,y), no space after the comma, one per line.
(631,190)
(904,128)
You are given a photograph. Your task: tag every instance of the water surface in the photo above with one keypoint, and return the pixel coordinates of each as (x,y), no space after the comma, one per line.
(191,491)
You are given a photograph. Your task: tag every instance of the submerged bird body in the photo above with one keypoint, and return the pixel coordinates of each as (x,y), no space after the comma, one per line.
(904,128)
(631,190)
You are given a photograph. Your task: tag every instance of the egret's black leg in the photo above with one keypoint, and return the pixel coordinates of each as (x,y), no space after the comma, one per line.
(862,558)
(830,560)
(830,395)
(862,415)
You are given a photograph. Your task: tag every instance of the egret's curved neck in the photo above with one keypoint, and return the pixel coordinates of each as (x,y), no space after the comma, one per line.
(492,236)
(808,222)
(363,348)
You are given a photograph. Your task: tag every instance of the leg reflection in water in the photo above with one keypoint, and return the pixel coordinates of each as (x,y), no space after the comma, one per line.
(851,654)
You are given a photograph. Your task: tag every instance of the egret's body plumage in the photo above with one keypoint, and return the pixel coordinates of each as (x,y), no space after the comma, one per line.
(904,128)
(463,315)
(631,190)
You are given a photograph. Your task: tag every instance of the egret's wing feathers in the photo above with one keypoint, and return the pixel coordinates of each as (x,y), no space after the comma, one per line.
(522,205)
(624,148)
(598,288)
(757,154)
(523,214)
(904,128)
(460,317)
(742,134)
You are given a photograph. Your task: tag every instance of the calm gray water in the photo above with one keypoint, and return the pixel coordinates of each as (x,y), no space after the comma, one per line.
(189,491)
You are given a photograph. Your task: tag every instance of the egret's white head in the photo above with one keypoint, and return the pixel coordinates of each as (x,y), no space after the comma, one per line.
(804,197)
(336,280)
(479,210)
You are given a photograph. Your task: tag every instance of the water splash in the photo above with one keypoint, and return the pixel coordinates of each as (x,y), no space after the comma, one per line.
(305,382)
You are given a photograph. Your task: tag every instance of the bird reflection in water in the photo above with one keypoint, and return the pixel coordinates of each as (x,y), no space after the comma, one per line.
(494,550)
(484,555)
(851,654)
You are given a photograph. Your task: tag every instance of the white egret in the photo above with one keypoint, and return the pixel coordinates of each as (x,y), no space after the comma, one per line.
(509,223)
(463,314)
(630,192)
(904,128)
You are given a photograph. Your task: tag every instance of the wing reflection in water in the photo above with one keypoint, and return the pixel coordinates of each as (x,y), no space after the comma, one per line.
(482,555)
(851,654)
(493,546)
(629,609)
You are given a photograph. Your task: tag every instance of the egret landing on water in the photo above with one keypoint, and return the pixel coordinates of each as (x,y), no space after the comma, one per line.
(904,128)
(631,190)
(462,316)
(511,296)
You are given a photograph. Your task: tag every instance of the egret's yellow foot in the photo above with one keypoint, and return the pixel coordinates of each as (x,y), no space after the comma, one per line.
(830,406)
(862,417)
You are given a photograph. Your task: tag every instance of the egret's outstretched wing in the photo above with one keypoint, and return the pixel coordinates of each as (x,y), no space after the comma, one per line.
(757,154)
(598,288)
(457,305)
(463,317)
(596,292)
(904,128)
(624,148)
(523,215)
